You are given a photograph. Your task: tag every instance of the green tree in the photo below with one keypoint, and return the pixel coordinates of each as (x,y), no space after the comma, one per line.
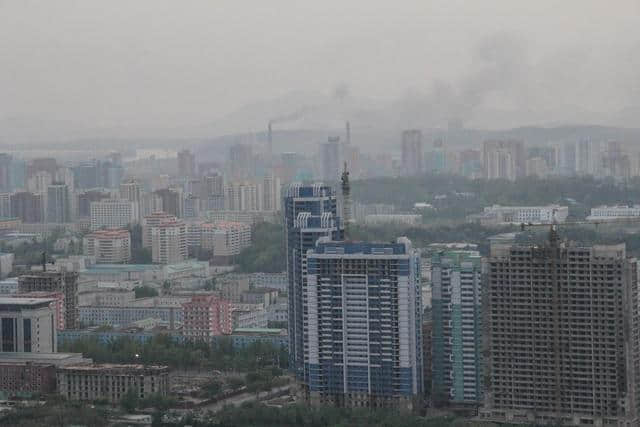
(129,400)
(145,291)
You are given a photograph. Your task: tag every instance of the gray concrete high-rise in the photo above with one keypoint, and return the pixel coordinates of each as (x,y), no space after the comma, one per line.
(562,335)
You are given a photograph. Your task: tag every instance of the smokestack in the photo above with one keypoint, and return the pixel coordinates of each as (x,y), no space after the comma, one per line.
(269,141)
(348,133)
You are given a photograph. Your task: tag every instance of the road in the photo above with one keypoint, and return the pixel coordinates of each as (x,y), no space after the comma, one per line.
(244,397)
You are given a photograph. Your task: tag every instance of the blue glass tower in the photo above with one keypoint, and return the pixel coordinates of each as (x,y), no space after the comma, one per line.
(363,324)
(310,212)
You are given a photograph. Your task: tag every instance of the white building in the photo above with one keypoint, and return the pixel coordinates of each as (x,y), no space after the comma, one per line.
(613,212)
(108,246)
(169,242)
(112,213)
(28,325)
(225,238)
(405,219)
(496,214)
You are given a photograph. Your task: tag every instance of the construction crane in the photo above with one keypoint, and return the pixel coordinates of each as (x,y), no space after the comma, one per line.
(346,200)
(553,251)
(553,226)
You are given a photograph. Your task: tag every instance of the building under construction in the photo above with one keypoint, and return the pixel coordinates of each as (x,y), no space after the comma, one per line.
(65,282)
(562,335)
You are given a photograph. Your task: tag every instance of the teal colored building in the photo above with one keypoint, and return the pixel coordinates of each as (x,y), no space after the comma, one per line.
(457,365)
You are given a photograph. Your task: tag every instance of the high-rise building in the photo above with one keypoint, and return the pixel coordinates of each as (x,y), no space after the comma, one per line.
(412,155)
(310,212)
(40,182)
(27,325)
(58,204)
(172,201)
(112,213)
(169,242)
(5,172)
(362,329)
(456,284)
(108,246)
(132,191)
(504,159)
(86,198)
(186,164)
(150,221)
(42,164)
(206,316)
(241,196)
(562,335)
(269,193)
(29,207)
(330,169)
(241,162)
(51,281)
(5,205)
(213,186)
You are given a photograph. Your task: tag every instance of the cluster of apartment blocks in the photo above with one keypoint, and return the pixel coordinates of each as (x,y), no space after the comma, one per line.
(355,311)
(511,159)
(536,334)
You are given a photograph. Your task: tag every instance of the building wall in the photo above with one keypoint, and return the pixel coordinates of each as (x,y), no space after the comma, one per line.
(111,382)
(457,327)
(562,335)
(363,325)
(27,379)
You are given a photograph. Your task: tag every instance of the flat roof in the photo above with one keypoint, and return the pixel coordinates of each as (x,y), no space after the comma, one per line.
(25,301)
(265,331)
(8,357)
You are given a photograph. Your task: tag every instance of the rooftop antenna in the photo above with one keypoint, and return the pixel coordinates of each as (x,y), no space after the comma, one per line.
(346,200)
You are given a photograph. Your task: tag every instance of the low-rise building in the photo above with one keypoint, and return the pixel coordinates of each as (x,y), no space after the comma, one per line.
(613,212)
(497,215)
(106,297)
(27,325)
(123,316)
(9,286)
(111,382)
(108,246)
(404,219)
(206,316)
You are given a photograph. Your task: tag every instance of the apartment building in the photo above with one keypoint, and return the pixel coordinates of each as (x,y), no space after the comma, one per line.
(111,382)
(108,246)
(362,330)
(456,284)
(562,335)
(112,213)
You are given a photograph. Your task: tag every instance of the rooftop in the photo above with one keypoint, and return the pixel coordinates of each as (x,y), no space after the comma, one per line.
(35,302)
(6,357)
(260,331)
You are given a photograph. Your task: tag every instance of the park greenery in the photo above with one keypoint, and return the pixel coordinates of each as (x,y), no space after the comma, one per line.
(253,414)
(463,195)
(166,350)
(145,291)
(266,253)
(56,413)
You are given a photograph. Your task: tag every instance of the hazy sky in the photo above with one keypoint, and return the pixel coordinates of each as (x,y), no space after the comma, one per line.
(155,63)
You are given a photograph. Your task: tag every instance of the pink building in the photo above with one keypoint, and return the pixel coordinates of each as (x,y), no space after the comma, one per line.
(58,305)
(206,316)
